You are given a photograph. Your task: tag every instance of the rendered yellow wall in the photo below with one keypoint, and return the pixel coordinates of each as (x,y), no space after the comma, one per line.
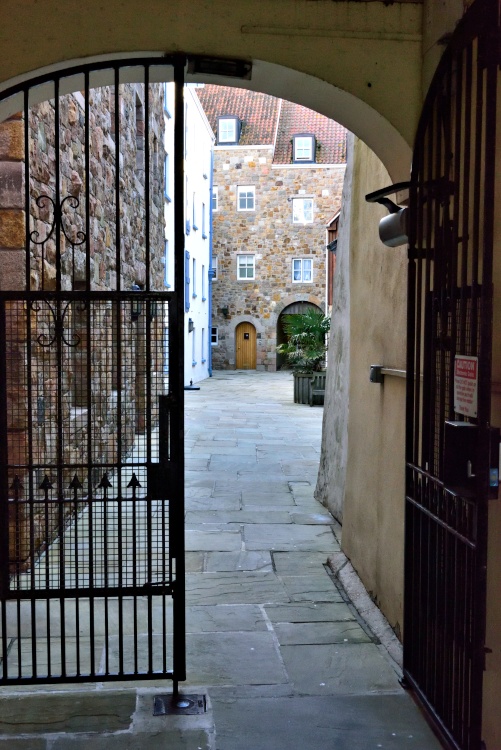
(358,62)
(373,519)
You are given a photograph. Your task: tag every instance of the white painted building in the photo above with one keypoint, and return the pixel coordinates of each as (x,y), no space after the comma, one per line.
(198,147)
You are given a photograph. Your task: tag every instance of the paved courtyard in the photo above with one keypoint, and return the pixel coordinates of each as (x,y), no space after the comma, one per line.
(287,662)
(274,642)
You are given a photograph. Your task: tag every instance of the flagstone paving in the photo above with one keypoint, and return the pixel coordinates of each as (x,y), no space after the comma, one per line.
(285,660)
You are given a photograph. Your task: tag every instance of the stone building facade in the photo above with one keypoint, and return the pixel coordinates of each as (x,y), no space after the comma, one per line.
(65,362)
(270,212)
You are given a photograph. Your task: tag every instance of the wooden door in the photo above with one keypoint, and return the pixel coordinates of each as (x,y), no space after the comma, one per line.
(245,341)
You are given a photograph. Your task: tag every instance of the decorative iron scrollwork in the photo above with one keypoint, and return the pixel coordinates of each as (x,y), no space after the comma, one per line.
(57,220)
(58,316)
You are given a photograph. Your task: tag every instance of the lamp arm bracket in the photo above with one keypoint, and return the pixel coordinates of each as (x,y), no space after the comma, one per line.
(380,196)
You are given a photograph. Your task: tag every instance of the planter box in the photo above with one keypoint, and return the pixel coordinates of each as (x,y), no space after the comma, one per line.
(302,387)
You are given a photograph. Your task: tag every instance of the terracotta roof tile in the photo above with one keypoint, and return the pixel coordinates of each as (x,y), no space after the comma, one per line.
(258,114)
(330,136)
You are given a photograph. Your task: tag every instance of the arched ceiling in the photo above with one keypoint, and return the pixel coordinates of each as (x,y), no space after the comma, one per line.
(358,62)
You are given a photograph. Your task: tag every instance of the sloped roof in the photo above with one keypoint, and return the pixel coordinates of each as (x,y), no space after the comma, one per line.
(258,114)
(330,136)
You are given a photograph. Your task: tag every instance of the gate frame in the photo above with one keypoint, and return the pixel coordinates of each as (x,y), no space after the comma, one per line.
(480,22)
(176,369)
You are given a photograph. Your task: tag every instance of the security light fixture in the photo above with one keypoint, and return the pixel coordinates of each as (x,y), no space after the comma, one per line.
(393,229)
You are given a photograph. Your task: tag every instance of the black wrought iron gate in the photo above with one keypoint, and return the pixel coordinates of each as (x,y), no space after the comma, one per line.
(91,383)
(449,436)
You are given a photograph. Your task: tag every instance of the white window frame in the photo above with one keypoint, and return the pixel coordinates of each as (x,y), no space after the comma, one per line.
(227,130)
(245,192)
(215,199)
(203,284)
(193,348)
(246,266)
(304,148)
(299,215)
(300,263)
(214,336)
(194,278)
(214,268)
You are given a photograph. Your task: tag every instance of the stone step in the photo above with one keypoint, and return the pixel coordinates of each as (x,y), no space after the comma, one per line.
(85,717)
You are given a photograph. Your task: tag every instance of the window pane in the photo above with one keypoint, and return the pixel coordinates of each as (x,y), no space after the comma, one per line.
(306,270)
(245,199)
(303,148)
(227,130)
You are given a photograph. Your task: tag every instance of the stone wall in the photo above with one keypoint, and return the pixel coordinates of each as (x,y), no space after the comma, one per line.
(69,362)
(270,235)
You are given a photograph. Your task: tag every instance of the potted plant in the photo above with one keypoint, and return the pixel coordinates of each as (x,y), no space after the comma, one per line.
(305,349)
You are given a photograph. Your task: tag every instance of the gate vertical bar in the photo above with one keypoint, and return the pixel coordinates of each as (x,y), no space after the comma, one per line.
(176,381)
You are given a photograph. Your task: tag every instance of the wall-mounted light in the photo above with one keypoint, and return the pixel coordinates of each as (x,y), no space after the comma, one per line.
(191,325)
(136,305)
(225,311)
(393,229)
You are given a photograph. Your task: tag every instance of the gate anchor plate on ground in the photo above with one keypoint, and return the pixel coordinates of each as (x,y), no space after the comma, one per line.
(180,705)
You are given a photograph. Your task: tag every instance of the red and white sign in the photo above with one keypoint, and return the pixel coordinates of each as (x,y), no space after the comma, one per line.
(466,385)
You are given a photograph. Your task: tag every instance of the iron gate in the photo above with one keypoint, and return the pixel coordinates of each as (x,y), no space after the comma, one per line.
(449,324)
(91,384)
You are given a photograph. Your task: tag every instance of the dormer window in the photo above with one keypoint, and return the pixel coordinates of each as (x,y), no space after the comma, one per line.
(303,147)
(228,130)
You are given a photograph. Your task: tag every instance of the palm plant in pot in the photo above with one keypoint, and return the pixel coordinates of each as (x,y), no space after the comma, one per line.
(305,348)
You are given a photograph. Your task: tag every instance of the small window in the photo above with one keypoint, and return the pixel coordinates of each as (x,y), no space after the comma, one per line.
(245,267)
(204,296)
(213,336)
(302,270)
(246,198)
(215,199)
(193,348)
(195,217)
(304,148)
(302,210)
(194,278)
(214,268)
(228,130)
(204,222)
(203,346)
(187,281)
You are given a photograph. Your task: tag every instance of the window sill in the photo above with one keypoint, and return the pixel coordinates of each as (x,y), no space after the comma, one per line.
(204,236)
(194,296)
(204,299)
(204,361)
(167,198)
(194,364)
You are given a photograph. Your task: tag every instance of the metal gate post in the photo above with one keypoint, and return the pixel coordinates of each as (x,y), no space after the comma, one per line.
(176,377)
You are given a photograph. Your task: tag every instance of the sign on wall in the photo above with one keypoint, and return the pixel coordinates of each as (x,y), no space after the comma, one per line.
(466,385)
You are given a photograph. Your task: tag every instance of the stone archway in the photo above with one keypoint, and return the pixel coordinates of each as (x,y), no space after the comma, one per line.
(292,309)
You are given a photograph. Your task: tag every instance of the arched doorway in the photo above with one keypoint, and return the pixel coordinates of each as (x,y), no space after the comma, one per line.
(292,309)
(245,347)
